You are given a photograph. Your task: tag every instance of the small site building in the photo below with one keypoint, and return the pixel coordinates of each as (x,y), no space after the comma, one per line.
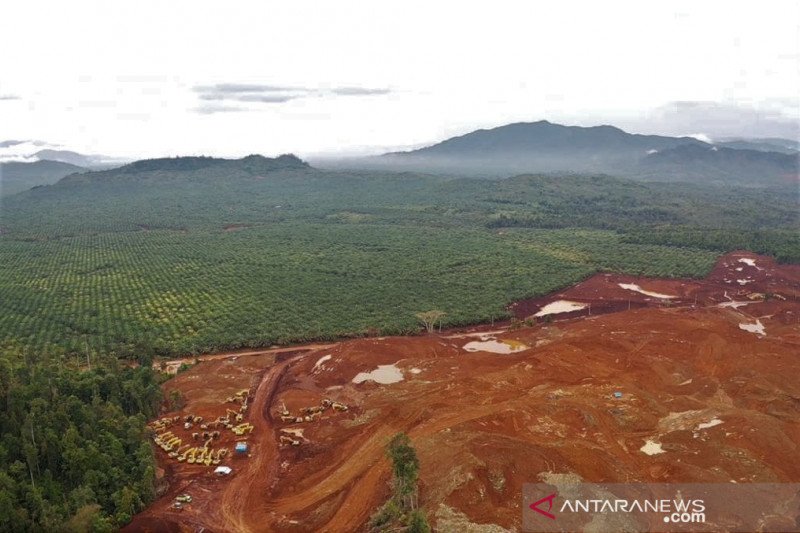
(241,447)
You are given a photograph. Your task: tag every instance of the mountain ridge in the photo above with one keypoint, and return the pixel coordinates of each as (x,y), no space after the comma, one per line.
(546,147)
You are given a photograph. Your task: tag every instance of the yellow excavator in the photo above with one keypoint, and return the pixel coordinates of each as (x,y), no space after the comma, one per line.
(222,452)
(243,429)
(190,457)
(171,443)
(177,453)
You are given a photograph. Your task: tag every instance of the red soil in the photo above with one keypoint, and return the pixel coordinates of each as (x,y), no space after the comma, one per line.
(484,424)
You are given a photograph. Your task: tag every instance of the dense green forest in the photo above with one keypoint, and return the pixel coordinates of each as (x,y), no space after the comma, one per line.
(73,456)
(188,255)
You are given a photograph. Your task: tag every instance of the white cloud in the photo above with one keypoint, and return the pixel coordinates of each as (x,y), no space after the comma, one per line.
(701,137)
(453,66)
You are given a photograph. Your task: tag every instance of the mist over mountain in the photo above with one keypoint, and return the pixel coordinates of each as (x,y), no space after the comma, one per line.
(785,146)
(30,151)
(16,176)
(545,147)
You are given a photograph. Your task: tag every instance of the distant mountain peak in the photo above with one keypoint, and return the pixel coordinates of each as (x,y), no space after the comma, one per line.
(543,146)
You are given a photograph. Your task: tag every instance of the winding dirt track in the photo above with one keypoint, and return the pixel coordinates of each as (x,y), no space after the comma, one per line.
(238,502)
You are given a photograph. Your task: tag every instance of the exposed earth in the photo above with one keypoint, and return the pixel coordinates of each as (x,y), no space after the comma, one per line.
(651,380)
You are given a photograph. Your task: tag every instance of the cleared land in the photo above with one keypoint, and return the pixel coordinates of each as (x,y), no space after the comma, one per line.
(702,400)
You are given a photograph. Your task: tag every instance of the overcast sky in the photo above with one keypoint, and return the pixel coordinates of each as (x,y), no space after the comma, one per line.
(149,78)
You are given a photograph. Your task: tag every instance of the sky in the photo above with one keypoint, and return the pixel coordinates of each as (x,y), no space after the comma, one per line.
(148,79)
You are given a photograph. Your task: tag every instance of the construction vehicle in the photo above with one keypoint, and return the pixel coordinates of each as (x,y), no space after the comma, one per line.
(242,429)
(182,457)
(183,498)
(168,445)
(313,409)
(222,452)
(285,439)
(159,439)
(339,406)
(187,425)
(314,416)
(190,457)
(326,403)
(177,453)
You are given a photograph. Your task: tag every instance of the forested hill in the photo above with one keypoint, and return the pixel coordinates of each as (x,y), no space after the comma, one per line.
(197,167)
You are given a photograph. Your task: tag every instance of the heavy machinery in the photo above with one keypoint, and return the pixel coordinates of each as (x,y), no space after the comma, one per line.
(168,445)
(286,439)
(160,439)
(235,416)
(242,429)
(190,457)
(339,406)
(314,416)
(222,452)
(179,452)
(182,457)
